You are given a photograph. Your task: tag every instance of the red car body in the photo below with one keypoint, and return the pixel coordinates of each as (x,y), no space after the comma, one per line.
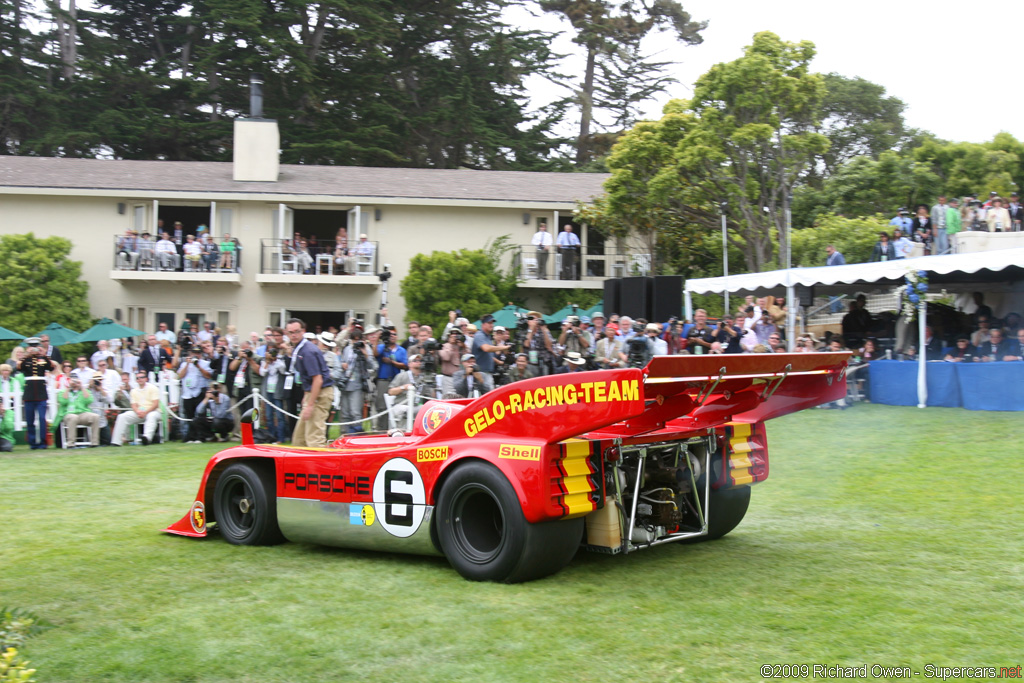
(541,460)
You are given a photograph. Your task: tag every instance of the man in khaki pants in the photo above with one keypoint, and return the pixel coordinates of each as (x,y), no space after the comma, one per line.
(308,365)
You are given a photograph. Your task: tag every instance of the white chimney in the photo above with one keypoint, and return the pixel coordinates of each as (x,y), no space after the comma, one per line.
(257,141)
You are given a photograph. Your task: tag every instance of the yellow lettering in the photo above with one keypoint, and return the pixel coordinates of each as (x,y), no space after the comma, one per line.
(570,396)
(470,428)
(504,451)
(630,390)
(540,398)
(555,395)
(528,403)
(586,391)
(499,410)
(487,417)
(433,454)
(599,388)
(515,403)
(481,423)
(613,392)
(519,452)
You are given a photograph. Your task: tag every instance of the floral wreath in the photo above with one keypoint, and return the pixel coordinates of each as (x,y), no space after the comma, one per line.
(911,292)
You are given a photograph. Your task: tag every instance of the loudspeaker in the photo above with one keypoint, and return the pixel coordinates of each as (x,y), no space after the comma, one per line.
(667,297)
(635,299)
(612,296)
(805,295)
(120,208)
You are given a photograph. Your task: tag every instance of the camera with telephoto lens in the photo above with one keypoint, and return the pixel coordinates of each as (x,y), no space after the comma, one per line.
(385,336)
(636,353)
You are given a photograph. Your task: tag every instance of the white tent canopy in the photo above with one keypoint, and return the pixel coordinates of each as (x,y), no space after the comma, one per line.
(1001,265)
(981,264)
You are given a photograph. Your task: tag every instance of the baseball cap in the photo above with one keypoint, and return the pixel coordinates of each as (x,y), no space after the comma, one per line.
(653,327)
(597,314)
(415,356)
(499,328)
(468,356)
(487,318)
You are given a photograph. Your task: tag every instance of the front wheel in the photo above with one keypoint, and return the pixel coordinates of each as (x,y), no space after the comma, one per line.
(484,535)
(245,505)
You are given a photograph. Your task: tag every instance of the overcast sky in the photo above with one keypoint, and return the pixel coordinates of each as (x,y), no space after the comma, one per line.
(953,64)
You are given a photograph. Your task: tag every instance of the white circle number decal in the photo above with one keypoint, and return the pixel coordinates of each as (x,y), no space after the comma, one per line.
(399,498)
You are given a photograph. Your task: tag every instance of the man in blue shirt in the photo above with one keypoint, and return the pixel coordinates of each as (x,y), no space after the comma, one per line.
(307,361)
(569,249)
(391,360)
(902,220)
(483,351)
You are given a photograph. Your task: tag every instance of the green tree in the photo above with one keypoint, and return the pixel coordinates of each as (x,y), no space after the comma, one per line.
(615,71)
(966,167)
(39,285)
(445,281)
(854,238)
(859,120)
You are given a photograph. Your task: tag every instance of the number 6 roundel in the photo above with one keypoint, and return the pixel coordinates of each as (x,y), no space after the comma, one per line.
(399,498)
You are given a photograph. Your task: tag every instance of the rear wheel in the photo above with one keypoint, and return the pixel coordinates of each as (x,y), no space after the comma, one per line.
(484,535)
(726,510)
(245,505)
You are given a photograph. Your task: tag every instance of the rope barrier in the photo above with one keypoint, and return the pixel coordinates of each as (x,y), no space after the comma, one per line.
(329,424)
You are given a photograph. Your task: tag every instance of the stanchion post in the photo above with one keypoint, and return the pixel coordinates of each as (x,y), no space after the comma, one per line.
(410,402)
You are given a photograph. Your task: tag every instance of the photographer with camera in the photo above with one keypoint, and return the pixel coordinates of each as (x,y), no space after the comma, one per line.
(503,360)
(214,421)
(639,348)
(700,337)
(391,360)
(484,350)
(450,355)
(728,335)
(273,369)
(468,380)
(194,373)
(574,337)
(539,345)
(520,370)
(358,370)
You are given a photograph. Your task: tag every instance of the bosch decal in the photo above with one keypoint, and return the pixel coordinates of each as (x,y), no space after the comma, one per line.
(433,454)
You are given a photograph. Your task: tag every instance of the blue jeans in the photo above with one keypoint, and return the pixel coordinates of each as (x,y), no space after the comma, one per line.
(35,410)
(277,425)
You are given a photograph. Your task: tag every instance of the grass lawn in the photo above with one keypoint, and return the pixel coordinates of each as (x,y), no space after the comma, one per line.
(884,535)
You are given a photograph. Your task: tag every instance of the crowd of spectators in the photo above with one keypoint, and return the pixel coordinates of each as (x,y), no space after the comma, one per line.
(934,227)
(176,249)
(378,370)
(343,257)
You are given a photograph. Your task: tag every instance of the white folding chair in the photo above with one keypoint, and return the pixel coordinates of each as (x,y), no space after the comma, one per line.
(529,268)
(322,260)
(389,401)
(79,440)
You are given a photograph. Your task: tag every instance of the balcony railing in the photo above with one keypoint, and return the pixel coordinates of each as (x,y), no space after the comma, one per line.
(133,253)
(577,264)
(282,257)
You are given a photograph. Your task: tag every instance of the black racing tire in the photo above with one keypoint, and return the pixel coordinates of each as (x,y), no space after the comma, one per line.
(484,535)
(726,509)
(245,505)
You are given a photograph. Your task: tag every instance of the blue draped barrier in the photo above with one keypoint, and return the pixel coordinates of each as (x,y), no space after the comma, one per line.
(991,386)
(894,383)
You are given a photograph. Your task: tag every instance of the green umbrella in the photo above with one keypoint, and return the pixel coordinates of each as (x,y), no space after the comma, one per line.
(8,335)
(506,317)
(59,335)
(599,306)
(106,329)
(562,313)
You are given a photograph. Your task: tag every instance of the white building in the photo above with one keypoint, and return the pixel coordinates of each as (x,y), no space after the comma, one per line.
(403,212)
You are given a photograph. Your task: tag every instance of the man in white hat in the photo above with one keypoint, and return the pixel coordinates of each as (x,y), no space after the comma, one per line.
(364,247)
(574,361)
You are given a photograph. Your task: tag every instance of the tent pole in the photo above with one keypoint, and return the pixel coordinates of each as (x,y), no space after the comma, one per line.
(688,305)
(791,304)
(922,360)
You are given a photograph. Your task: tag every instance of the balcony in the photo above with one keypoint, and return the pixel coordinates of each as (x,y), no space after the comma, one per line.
(281,262)
(142,260)
(587,270)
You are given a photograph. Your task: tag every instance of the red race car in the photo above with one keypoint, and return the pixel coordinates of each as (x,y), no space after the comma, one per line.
(508,486)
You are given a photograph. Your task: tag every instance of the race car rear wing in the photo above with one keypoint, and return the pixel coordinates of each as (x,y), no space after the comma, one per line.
(676,393)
